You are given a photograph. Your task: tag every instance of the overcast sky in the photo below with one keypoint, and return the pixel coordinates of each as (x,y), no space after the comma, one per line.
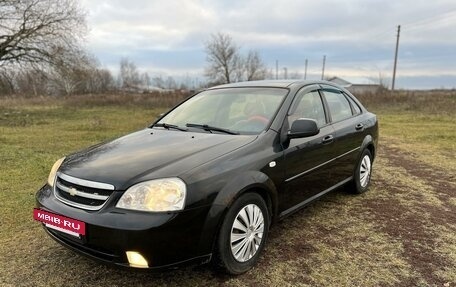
(357,36)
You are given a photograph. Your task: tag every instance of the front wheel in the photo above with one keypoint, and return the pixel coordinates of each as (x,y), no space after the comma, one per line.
(243,234)
(363,172)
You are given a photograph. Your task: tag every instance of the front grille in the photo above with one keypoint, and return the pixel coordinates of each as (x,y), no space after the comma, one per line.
(81,193)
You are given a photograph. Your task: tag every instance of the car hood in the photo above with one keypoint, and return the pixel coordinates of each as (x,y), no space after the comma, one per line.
(149,154)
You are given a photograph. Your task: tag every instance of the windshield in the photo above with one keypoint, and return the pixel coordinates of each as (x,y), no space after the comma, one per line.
(237,110)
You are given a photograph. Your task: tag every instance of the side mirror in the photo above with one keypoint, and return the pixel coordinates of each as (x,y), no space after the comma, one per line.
(301,128)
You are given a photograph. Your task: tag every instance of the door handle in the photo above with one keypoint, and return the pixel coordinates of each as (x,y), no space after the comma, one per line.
(328,139)
(359,126)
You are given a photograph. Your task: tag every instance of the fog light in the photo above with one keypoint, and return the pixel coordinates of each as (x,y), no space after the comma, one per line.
(136,259)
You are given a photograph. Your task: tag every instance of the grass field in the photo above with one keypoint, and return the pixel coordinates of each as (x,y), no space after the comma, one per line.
(401,233)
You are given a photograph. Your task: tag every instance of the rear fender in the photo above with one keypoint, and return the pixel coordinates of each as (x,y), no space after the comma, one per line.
(368,140)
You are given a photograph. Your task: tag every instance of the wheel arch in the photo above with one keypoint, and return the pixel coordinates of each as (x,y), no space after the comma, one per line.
(369,143)
(252,181)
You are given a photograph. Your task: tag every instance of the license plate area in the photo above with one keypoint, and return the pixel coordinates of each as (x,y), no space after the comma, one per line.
(60,223)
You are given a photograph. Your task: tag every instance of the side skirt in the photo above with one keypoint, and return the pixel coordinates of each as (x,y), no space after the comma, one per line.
(310,199)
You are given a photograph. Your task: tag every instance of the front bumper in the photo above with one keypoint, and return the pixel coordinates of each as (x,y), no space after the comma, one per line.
(164,239)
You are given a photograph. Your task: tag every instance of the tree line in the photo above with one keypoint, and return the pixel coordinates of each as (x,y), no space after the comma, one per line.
(42,53)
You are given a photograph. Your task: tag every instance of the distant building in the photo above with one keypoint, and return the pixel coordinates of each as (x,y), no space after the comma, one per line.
(144,89)
(355,88)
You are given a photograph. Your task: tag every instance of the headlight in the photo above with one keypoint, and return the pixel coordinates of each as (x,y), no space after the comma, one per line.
(167,194)
(53,173)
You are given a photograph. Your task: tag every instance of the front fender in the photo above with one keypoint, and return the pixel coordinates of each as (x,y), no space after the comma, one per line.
(243,182)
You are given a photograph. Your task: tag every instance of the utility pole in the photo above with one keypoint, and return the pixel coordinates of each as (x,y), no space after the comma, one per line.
(305,70)
(285,73)
(395,57)
(277,69)
(323,70)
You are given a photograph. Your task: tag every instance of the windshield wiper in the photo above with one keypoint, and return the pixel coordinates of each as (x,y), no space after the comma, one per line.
(211,128)
(168,126)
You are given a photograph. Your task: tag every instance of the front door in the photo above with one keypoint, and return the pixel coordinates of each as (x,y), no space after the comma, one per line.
(307,159)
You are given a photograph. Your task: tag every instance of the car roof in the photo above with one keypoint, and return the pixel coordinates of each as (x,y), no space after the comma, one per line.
(273,83)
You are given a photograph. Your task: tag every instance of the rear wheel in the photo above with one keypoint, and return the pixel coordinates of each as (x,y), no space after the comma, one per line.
(363,172)
(243,234)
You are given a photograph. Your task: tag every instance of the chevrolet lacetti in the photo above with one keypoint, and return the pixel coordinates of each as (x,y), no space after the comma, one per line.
(208,178)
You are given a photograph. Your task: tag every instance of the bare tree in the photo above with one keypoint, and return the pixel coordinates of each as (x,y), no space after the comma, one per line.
(145,79)
(31,82)
(223,59)
(226,64)
(254,67)
(158,82)
(7,81)
(101,81)
(33,31)
(382,82)
(129,74)
(171,84)
(70,72)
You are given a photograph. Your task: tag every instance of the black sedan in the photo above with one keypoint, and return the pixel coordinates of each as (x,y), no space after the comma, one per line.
(208,178)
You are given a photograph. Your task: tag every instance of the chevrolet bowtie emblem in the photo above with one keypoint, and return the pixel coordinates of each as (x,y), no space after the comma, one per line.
(72,191)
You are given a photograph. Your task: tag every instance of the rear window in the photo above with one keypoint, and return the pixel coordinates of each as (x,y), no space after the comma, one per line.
(339,107)
(356,108)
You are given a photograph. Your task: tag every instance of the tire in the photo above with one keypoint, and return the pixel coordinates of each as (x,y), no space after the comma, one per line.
(363,173)
(234,257)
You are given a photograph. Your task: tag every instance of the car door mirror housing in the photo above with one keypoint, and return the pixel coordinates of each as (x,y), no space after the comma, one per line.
(303,128)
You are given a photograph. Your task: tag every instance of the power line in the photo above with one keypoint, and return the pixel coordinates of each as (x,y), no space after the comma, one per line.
(434,18)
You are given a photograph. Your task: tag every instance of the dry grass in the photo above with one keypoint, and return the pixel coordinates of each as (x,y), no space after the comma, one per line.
(400,233)
(149,100)
(438,102)
(419,123)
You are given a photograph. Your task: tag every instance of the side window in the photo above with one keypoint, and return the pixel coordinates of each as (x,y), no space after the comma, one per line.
(356,108)
(309,106)
(339,106)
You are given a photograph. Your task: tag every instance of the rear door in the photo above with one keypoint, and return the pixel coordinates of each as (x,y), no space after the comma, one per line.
(348,129)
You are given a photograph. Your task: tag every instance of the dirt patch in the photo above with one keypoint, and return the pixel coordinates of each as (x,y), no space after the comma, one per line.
(414,229)
(417,242)
(441,180)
